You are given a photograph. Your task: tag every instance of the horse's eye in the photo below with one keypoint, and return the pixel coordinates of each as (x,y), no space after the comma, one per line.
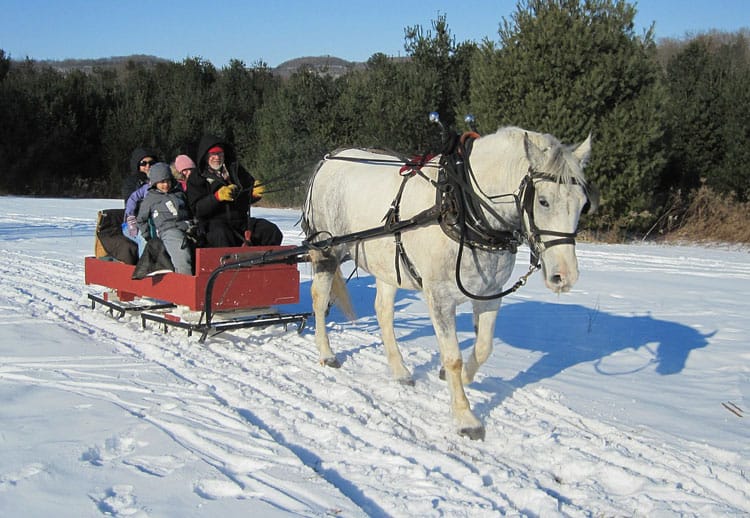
(543,202)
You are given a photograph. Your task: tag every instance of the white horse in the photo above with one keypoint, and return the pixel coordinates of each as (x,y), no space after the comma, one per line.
(523,186)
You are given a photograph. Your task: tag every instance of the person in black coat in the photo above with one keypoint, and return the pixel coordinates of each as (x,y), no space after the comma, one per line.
(141,160)
(220,193)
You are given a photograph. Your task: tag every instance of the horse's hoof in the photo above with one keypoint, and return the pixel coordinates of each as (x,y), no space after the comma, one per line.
(441,374)
(474,433)
(330,362)
(407,381)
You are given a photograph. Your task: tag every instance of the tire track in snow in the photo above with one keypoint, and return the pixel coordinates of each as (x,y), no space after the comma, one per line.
(611,260)
(587,455)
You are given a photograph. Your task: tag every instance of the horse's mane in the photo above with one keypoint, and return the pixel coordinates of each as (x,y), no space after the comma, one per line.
(560,163)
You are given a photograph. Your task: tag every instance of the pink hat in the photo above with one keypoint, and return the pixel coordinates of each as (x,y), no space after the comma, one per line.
(183,162)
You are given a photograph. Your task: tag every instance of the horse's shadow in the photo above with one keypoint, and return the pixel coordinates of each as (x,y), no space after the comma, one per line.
(570,334)
(565,334)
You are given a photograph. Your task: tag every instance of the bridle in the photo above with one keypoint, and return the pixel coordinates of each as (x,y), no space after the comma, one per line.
(472,227)
(532,233)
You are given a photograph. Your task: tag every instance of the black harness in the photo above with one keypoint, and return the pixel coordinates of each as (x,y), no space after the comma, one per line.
(464,215)
(463,212)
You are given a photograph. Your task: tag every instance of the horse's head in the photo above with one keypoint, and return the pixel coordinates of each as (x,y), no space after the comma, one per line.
(553,196)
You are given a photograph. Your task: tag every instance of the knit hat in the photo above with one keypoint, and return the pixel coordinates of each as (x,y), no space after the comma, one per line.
(216,149)
(183,162)
(159,172)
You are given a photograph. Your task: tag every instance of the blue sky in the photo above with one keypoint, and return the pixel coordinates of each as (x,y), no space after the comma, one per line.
(274,31)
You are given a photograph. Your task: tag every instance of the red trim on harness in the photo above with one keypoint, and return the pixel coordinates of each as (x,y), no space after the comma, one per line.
(415,164)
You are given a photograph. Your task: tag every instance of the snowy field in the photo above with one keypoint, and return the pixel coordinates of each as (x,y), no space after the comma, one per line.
(628,396)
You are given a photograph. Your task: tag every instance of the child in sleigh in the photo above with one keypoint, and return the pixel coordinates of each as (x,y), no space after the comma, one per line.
(165,207)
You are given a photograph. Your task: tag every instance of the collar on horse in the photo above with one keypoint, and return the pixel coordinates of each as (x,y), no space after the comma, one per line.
(463,212)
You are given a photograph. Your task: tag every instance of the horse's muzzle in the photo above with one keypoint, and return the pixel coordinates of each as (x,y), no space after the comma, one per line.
(560,269)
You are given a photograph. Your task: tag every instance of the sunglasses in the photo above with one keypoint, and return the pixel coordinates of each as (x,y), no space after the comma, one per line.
(144,163)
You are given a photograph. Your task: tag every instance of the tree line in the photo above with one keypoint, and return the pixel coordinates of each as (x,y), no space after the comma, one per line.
(666,119)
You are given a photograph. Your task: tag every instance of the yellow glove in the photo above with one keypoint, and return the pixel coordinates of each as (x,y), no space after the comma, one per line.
(258,190)
(226,193)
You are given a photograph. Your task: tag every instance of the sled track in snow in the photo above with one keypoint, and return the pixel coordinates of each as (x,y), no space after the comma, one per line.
(246,393)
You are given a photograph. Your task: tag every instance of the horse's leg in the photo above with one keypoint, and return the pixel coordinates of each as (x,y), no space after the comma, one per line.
(443,314)
(324,269)
(485,316)
(384,300)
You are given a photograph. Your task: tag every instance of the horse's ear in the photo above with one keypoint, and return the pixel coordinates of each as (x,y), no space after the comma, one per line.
(593,195)
(534,155)
(583,151)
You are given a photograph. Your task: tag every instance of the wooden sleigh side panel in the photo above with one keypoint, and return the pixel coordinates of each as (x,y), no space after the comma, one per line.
(235,289)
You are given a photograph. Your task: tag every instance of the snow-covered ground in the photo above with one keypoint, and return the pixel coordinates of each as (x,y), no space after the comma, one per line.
(616,399)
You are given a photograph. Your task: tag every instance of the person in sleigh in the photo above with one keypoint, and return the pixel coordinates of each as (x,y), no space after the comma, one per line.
(166,208)
(220,193)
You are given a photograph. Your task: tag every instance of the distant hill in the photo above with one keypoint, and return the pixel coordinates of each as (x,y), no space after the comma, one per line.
(323,64)
(88,65)
(326,64)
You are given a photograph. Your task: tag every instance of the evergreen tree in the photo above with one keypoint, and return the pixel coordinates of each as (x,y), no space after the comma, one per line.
(709,115)
(387,106)
(571,67)
(241,92)
(437,55)
(295,130)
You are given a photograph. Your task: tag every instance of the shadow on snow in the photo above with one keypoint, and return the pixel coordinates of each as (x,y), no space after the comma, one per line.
(565,334)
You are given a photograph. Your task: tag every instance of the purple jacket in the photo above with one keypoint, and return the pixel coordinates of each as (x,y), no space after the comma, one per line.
(134,200)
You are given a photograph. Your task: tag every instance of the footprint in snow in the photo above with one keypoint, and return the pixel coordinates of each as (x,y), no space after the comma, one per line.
(118,501)
(112,448)
(12,479)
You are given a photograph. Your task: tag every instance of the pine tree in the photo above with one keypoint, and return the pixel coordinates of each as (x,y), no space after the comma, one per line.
(569,68)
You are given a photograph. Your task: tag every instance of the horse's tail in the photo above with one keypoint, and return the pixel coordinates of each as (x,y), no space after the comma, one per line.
(340,295)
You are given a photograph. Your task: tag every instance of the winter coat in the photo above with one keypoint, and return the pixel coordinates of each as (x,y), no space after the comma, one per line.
(135,178)
(203,183)
(165,209)
(133,202)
